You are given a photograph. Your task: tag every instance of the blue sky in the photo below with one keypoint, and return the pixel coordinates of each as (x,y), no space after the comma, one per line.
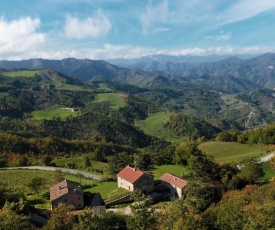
(104,29)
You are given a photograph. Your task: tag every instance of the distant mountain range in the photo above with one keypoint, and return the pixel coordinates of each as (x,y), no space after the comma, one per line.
(229,75)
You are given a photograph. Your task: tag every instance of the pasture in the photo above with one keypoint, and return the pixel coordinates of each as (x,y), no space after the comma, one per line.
(153,125)
(20,73)
(225,152)
(49,114)
(79,161)
(115,100)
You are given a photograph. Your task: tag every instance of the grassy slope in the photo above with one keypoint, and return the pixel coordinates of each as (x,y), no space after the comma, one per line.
(51,113)
(21,73)
(80,162)
(3,94)
(173,169)
(153,125)
(116,100)
(225,152)
(269,173)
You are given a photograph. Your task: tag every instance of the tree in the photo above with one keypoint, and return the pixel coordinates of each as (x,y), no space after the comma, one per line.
(35,184)
(272,162)
(61,218)
(119,161)
(47,160)
(143,215)
(9,219)
(101,221)
(57,176)
(87,162)
(184,151)
(143,161)
(252,171)
(200,195)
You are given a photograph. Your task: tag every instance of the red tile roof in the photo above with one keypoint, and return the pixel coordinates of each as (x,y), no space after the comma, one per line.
(63,188)
(131,174)
(174,180)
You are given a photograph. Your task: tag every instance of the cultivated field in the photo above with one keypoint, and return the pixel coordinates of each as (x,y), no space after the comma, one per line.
(225,152)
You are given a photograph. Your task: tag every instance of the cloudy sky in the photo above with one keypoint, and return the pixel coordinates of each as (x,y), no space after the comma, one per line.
(104,29)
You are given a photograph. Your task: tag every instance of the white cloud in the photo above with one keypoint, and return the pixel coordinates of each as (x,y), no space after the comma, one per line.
(91,27)
(19,36)
(223,36)
(153,14)
(245,9)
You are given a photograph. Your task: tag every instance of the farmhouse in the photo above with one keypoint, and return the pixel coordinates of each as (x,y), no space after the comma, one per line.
(134,179)
(67,192)
(174,184)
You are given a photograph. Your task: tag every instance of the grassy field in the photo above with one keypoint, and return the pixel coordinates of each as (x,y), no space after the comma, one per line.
(3,94)
(177,170)
(269,173)
(59,85)
(225,152)
(21,73)
(79,161)
(115,100)
(49,114)
(153,125)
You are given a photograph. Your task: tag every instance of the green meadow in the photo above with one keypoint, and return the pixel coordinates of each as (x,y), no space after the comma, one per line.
(153,125)
(225,152)
(177,170)
(79,161)
(20,73)
(115,100)
(49,114)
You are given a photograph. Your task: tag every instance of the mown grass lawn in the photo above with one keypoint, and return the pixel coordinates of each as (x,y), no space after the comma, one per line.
(153,125)
(115,100)
(49,114)
(20,73)
(225,152)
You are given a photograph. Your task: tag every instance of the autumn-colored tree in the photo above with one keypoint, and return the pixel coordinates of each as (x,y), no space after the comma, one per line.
(9,219)
(61,218)
(143,215)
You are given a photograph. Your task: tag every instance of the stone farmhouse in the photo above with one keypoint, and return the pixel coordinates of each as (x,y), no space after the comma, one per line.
(174,184)
(67,192)
(133,179)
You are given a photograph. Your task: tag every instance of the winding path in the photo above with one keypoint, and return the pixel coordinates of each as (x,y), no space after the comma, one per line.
(64,170)
(266,158)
